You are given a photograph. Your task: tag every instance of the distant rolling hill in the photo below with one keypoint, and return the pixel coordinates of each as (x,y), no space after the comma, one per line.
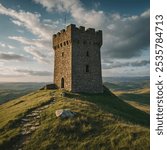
(9,91)
(135,92)
(102,121)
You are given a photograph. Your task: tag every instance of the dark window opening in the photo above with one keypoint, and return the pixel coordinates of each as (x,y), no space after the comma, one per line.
(87,53)
(64,43)
(62,54)
(61,44)
(62,82)
(67,42)
(87,68)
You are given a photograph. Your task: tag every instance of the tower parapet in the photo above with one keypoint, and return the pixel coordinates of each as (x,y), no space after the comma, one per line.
(64,35)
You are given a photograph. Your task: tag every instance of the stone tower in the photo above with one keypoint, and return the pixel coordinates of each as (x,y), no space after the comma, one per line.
(77,65)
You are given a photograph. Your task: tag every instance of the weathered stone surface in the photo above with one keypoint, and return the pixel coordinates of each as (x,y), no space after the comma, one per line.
(32,115)
(33,128)
(77,59)
(37,117)
(27,124)
(37,124)
(25,120)
(64,113)
(26,132)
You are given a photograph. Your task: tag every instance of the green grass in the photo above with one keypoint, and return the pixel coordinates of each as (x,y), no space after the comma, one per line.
(9,91)
(103,121)
(145,108)
(142,96)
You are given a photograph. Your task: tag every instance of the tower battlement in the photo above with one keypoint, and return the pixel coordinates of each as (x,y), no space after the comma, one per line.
(75,34)
(72,27)
(77,59)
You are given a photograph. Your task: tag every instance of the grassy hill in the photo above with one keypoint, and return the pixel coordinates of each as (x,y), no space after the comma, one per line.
(134,92)
(102,122)
(9,91)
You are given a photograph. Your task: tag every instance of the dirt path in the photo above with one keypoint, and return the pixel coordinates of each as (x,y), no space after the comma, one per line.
(31,122)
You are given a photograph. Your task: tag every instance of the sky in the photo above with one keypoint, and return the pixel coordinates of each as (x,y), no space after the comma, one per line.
(26,29)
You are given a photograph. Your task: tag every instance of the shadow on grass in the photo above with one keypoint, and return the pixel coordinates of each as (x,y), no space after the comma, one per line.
(140,98)
(111,103)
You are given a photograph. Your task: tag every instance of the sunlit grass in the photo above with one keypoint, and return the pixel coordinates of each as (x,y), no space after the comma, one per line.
(102,121)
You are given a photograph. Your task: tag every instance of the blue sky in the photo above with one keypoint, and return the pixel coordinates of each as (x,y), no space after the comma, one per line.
(27,27)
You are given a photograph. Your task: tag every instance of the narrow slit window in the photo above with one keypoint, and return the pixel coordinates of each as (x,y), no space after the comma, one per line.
(62,54)
(87,68)
(87,53)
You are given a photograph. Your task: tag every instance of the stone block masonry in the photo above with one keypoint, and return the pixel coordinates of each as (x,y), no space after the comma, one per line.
(77,63)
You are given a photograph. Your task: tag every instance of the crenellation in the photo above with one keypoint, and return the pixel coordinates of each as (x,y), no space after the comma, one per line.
(91,31)
(62,31)
(81,28)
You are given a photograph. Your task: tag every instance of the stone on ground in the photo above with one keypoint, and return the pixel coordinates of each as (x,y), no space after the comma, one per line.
(64,113)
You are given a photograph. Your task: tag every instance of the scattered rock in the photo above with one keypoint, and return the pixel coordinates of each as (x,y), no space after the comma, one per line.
(44,107)
(25,132)
(36,111)
(63,94)
(37,124)
(25,120)
(27,125)
(37,117)
(64,113)
(32,115)
(33,128)
(31,122)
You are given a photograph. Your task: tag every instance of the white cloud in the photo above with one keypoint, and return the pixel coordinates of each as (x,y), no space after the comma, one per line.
(33,73)
(81,15)
(37,54)
(20,31)
(12,56)
(124,37)
(29,20)
(122,64)
(40,43)
(6,45)
(41,50)
(17,22)
(2,44)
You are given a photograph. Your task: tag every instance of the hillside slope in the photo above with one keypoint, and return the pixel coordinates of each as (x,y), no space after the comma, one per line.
(102,121)
(9,91)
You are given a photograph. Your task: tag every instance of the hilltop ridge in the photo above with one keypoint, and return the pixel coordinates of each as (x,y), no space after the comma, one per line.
(102,121)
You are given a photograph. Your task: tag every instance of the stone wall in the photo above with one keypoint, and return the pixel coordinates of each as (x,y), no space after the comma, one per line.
(63,54)
(81,64)
(86,52)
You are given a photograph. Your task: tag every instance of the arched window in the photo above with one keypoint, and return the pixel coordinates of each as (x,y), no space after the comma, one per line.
(62,54)
(87,68)
(62,82)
